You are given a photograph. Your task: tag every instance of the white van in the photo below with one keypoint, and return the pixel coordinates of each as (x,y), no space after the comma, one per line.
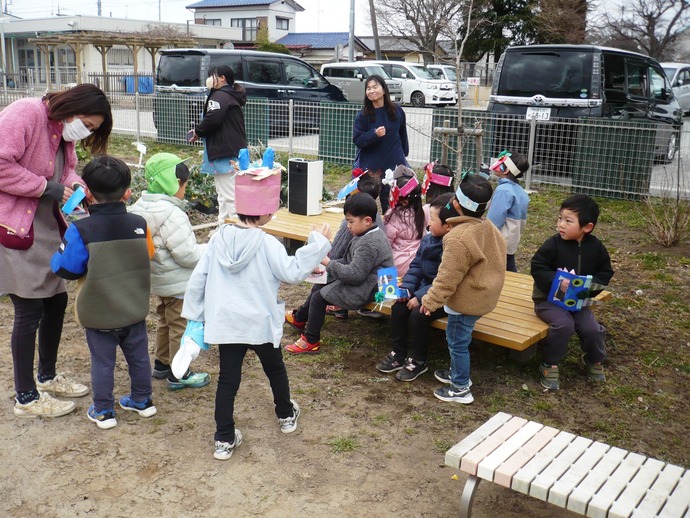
(447,73)
(419,86)
(351,78)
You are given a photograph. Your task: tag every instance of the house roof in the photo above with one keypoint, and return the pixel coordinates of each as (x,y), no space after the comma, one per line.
(319,40)
(397,44)
(240,3)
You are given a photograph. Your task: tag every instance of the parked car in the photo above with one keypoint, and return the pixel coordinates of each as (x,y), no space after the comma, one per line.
(419,86)
(575,81)
(351,79)
(182,73)
(679,76)
(448,73)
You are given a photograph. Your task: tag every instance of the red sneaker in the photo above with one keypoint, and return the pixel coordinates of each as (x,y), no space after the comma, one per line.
(302,346)
(290,319)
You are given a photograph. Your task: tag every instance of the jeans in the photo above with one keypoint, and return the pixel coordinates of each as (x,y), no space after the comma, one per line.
(418,323)
(562,325)
(459,335)
(231,358)
(133,340)
(44,316)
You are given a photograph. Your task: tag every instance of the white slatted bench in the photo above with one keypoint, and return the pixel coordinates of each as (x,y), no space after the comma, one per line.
(584,476)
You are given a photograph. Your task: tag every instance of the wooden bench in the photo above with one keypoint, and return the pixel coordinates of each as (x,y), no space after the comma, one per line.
(584,476)
(513,324)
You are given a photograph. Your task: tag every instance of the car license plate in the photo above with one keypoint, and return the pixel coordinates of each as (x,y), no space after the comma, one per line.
(541,114)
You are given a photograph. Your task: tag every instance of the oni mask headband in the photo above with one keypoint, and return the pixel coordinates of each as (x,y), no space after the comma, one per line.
(352,185)
(430,177)
(467,203)
(504,163)
(397,192)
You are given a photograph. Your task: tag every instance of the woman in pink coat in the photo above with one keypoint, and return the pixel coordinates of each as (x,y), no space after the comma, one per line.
(405,222)
(37,174)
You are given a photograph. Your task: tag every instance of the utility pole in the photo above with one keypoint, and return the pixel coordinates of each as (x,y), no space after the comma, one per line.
(351,42)
(99,7)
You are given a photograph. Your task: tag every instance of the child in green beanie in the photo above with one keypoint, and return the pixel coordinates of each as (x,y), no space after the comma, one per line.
(176,255)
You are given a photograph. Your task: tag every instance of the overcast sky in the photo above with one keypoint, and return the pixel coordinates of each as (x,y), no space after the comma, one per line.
(318,15)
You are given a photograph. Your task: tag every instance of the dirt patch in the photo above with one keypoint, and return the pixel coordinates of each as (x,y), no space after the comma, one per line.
(365,443)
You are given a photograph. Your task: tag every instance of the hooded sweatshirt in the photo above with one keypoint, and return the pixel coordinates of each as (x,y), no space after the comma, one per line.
(234,287)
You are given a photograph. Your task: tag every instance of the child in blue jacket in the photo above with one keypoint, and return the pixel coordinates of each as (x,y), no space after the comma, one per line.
(415,284)
(508,209)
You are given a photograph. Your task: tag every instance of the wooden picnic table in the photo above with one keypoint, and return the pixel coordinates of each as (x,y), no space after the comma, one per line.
(297,227)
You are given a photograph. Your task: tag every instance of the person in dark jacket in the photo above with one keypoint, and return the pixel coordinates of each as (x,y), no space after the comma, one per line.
(576,250)
(380,133)
(223,132)
(417,281)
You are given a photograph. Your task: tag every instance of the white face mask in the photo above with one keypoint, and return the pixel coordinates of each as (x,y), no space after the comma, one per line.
(75,130)
(209,82)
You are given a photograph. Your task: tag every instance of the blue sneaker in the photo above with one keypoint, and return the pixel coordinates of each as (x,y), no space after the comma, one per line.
(105,419)
(144,408)
(190,380)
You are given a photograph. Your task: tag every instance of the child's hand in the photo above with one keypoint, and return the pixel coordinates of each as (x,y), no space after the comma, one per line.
(413,303)
(317,271)
(422,309)
(325,230)
(403,299)
(326,261)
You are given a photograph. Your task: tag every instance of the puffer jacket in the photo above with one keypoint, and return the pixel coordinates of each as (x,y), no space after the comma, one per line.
(424,267)
(177,251)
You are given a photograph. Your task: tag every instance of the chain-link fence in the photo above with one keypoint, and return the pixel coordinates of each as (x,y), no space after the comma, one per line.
(604,157)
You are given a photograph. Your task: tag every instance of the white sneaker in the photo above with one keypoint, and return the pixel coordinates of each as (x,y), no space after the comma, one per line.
(44,406)
(62,385)
(224,450)
(289,424)
(189,350)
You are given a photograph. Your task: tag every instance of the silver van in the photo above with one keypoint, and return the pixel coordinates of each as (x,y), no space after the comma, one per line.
(419,86)
(351,78)
(448,73)
(679,76)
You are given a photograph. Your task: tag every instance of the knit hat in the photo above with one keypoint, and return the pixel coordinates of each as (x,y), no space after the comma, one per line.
(160,173)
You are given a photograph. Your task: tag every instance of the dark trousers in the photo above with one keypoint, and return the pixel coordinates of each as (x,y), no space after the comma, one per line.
(44,316)
(510,263)
(562,325)
(416,323)
(302,314)
(231,358)
(317,315)
(134,342)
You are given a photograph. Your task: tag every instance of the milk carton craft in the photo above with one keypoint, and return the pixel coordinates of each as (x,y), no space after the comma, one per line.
(572,292)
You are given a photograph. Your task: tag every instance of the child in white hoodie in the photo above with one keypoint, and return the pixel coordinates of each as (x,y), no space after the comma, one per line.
(234,292)
(177,253)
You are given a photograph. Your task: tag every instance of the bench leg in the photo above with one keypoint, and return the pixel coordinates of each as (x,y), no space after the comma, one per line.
(468,496)
(522,357)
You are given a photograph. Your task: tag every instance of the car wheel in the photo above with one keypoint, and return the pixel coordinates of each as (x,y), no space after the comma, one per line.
(417,99)
(671,148)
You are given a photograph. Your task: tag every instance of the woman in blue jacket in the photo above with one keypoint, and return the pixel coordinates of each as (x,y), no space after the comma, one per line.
(380,133)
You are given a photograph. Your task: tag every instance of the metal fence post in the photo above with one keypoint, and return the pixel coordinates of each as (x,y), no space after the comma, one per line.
(530,152)
(137,113)
(291,123)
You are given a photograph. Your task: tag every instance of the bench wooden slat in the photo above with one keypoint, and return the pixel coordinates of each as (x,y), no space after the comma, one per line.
(628,499)
(586,489)
(559,492)
(678,504)
(539,488)
(603,500)
(472,458)
(504,473)
(455,454)
(523,478)
(488,466)
(657,495)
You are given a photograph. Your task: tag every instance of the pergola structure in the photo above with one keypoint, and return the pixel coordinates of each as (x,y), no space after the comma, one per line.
(103,42)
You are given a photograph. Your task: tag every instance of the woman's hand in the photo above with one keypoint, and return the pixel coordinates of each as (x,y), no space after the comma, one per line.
(67,193)
(381,131)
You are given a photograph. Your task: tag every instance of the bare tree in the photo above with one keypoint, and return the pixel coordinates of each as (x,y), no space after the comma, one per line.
(419,21)
(652,26)
(562,21)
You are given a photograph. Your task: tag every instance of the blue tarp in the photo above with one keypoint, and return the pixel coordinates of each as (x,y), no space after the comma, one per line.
(145,85)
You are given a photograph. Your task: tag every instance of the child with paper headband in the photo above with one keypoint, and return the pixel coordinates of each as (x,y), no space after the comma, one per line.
(508,210)
(177,253)
(468,283)
(405,222)
(234,292)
